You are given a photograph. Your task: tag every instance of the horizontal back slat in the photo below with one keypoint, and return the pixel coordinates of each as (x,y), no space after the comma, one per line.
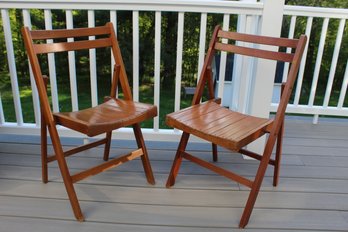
(266,40)
(70,46)
(286,57)
(78,32)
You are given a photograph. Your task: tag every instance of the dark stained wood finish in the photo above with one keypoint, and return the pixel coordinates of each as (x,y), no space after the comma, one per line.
(106,165)
(218,170)
(69,46)
(279,147)
(104,118)
(145,157)
(257,39)
(219,125)
(43,132)
(79,149)
(69,33)
(259,53)
(110,115)
(233,130)
(177,160)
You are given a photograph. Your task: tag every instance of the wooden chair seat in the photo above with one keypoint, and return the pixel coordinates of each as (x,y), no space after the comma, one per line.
(211,121)
(111,115)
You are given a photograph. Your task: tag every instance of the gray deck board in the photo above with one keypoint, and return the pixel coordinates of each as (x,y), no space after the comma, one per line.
(248,168)
(188,197)
(168,215)
(312,194)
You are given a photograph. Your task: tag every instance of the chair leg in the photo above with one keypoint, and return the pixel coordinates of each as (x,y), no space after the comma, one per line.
(65,173)
(215,154)
(44,150)
(257,182)
(144,158)
(278,156)
(107,146)
(177,160)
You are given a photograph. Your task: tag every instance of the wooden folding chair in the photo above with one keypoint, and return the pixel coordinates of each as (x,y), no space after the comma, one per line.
(104,118)
(232,130)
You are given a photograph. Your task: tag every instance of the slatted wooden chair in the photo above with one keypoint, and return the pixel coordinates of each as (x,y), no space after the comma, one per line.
(232,130)
(104,118)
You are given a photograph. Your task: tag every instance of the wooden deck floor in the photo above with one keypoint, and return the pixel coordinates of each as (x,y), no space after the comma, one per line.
(312,194)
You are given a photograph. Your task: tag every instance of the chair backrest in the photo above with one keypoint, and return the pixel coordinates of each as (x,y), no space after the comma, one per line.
(252,49)
(36,43)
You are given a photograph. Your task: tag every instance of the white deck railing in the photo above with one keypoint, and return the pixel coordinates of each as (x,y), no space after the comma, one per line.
(249,15)
(324,16)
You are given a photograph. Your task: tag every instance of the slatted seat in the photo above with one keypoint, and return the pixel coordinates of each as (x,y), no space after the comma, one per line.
(218,124)
(233,130)
(100,119)
(110,115)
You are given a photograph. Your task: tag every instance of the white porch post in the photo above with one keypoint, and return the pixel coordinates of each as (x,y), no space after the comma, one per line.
(261,91)
(241,74)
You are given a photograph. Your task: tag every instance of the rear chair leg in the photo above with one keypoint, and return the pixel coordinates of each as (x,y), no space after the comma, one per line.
(177,160)
(215,154)
(107,146)
(279,147)
(44,150)
(144,158)
(278,155)
(44,140)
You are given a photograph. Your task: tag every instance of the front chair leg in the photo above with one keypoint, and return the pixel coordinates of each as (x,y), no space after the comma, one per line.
(144,158)
(257,183)
(177,160)
(63,167)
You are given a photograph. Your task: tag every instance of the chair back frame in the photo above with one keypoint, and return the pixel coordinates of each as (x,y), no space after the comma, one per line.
(293,59)
(35,49)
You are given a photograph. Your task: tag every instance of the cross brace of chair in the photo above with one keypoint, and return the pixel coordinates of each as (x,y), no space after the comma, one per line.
(218,170)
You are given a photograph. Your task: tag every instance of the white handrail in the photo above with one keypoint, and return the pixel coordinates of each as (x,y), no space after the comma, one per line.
(12,65)
(72,66)
(321,12)
(334,62)
(206,6)
(93,62)
(135,18)
(344,88)
(113,20)
(202,38)
(303,62)
(288,50)
(223,58)
(157,80)
(318,61)
(27,22)
(179,50)
(52,64)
